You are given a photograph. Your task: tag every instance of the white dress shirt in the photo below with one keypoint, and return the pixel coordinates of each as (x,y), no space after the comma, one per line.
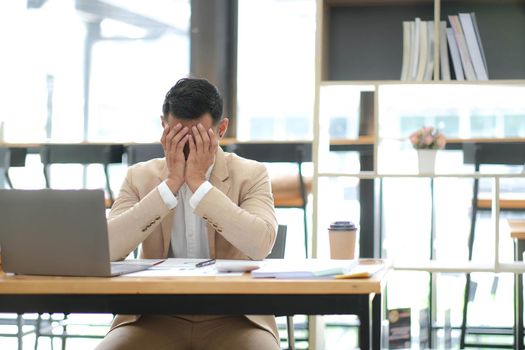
(189,233)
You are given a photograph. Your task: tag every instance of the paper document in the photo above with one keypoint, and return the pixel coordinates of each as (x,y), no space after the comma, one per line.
(174,267)
(365,269)
(151,262)
(306,268)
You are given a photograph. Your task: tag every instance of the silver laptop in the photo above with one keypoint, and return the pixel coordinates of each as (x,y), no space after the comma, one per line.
(57,232)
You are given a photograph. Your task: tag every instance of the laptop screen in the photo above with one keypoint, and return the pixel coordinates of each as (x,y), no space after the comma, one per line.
(54,232)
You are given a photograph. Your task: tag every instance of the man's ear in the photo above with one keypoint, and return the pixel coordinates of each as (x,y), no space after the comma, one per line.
(223,126)
(163,121)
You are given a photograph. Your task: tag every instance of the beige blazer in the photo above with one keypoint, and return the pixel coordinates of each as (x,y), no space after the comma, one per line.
(239,211)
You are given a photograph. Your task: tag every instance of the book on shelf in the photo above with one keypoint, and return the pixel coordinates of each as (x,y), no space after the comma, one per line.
(418,45)
(406,50)
(414,48)
(443,52)
(429,62)
(454,54)
(473,42)
(478,36)
(464,54)
(423,51)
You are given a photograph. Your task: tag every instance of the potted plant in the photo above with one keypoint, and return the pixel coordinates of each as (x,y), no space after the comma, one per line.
(427,141)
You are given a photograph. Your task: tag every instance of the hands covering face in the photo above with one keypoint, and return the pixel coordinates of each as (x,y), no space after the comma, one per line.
(190,168)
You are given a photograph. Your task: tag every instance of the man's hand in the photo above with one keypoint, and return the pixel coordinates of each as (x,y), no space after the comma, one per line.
(203,144)
(173,140)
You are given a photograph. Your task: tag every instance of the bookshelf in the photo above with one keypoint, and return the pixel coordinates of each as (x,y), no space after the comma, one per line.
(359,44)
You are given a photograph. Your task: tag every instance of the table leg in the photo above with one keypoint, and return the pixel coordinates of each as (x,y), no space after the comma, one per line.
(370,319)
(365,318)
(518,297)
(377,319)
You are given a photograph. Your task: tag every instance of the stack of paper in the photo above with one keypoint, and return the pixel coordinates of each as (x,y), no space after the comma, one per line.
(363,270)
(310,268)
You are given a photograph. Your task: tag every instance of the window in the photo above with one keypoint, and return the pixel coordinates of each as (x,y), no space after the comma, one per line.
(276,48)
(138,52)
(134,66)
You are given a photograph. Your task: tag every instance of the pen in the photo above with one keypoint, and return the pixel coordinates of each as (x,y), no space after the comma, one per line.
(205,263)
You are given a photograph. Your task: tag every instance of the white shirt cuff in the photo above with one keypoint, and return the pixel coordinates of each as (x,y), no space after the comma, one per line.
(200,193)
(167,196)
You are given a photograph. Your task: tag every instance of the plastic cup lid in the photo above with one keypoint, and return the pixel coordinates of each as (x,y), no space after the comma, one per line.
(342,226)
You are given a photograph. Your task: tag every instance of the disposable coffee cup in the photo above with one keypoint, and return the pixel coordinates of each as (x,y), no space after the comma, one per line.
(342,236)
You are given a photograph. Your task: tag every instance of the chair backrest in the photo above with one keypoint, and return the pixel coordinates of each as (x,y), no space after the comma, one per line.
(280,152)
(508,153)
(280,244)
(17,156)
(11,157)
(104,154)
(293,152)
(82,154)
(4,157)
(142,152)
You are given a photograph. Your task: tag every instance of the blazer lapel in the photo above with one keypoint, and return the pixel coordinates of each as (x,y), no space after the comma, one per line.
(219,178)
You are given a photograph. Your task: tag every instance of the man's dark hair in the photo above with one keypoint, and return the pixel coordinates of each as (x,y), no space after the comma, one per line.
(190,98)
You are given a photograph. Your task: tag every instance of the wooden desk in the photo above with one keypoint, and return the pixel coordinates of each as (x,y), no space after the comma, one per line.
(200,295)
(517,232)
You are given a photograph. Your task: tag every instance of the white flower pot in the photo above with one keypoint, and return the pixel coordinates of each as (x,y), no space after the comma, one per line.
(427,160)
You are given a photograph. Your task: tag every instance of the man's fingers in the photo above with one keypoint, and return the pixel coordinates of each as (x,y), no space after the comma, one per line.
(214,140)
(179,136)
(172,138)
(181,143)
(163,137)
(204,136)
(191,142)
(197,139)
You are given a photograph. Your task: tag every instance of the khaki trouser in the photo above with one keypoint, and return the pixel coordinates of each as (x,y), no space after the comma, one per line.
(157,332)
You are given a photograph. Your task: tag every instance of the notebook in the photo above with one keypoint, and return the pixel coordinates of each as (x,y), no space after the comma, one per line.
(58,233)
(305,268)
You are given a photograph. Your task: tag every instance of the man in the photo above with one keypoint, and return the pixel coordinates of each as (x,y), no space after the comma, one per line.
(197,202)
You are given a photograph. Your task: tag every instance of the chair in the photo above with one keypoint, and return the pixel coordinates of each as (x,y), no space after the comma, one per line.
(278,253)
(12,157)
(141,152)
(104,154)
(292,190)
(508,153)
